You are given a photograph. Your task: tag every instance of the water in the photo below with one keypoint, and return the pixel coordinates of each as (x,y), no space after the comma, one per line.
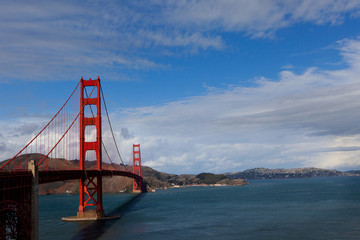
(315,208)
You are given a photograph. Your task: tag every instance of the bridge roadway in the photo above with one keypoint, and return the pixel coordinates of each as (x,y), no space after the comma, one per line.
(62,175)
(47,176)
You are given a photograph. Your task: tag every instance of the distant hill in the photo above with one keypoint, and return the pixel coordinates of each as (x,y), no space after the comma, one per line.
(266,173)
(353,172)
(157,179)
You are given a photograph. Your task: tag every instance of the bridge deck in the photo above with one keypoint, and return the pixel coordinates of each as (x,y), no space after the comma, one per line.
(63,175)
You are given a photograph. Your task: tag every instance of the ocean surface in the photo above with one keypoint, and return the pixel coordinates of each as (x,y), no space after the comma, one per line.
(312,208)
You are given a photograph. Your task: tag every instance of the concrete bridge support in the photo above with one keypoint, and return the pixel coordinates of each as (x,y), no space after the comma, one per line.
(34,200)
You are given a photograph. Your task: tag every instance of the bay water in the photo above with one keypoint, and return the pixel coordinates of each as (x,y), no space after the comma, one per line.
(312,208)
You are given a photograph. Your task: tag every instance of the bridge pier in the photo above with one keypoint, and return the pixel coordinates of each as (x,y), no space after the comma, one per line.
(32,166)
(91,186)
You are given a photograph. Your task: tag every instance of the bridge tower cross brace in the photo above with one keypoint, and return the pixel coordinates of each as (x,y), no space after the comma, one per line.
(90,186)
(136,167)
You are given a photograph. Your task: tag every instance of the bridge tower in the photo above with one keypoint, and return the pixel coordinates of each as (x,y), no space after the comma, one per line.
(90,186)
(136,168)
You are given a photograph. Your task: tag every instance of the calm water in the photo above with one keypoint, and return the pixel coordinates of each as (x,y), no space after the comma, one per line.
(316,208)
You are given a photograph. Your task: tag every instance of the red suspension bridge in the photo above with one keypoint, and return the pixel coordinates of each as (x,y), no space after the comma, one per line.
(70,146)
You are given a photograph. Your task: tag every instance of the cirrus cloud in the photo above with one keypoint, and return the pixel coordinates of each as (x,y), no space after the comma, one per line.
(43,39)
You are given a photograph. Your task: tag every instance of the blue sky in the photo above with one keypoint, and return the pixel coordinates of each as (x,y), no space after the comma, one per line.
(214,86)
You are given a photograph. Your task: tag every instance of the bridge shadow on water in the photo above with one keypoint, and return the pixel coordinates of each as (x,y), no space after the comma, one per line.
(96,229)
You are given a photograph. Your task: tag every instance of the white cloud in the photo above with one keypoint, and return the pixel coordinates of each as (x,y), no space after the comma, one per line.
(178,39)
(298,120)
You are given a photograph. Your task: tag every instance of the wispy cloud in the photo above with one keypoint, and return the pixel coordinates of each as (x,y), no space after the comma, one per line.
(259,18)
(46,39)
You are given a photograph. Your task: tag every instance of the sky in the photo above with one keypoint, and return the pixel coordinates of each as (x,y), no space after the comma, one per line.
(203,86)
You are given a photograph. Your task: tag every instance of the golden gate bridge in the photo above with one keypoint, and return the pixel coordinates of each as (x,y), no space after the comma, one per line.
(70,146)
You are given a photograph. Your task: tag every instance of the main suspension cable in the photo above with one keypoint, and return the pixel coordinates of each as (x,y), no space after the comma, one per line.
(111,129)
(42,128)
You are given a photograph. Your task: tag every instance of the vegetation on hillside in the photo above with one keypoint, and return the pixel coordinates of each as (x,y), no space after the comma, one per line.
(210,178)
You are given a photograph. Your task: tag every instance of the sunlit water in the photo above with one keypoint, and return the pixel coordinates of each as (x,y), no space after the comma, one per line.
(315,208)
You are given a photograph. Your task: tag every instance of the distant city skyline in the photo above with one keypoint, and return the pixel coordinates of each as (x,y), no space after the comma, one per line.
(203,86)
